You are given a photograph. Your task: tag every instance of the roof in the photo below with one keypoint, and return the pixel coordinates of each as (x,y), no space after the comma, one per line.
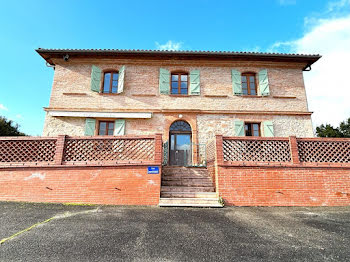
(47,54)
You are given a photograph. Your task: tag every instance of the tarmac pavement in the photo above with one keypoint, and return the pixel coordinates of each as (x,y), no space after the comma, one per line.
(55,232)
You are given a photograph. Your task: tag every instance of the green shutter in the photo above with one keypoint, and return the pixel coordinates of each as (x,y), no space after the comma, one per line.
(164,81)
(236,82)
(239,128)
(121,80)
(195,87)
(96,79)
(90,125)
(264,88)
(268,129)
(119,127)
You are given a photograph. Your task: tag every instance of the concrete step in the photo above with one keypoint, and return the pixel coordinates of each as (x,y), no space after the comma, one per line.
(187,189)
(189,202)
(188,195)
(188,182)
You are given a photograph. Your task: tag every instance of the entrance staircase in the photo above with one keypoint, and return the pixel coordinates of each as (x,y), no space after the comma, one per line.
(187,187)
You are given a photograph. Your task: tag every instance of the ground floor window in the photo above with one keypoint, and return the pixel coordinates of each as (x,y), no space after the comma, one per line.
(105,128)
(252,129)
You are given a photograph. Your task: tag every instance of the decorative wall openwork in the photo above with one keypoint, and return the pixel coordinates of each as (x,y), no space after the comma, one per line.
(211,151)
(256,150)
(111,149)
(324,151)
(31,150)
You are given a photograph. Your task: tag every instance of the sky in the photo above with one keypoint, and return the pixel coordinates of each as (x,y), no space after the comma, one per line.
(289,26)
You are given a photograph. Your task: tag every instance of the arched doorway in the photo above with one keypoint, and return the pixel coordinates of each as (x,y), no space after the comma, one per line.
(180,151)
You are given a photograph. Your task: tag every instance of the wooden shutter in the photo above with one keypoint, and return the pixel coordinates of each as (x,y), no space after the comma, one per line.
(121,80)
(236,82)
(96,78)
(90,125)
(164,81)
(239,128)
(268,129)
(195,82)
(264,88)
(119,127)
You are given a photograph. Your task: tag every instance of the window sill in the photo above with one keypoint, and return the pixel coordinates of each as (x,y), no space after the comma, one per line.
(285,97)
(109,94)
(253,96)
(174,95)
(75,94)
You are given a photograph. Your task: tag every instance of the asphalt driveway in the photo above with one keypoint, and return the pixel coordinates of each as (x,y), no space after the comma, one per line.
(109,233)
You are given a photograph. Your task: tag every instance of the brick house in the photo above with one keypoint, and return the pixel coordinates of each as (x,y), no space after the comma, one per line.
(187,96)
(175,128)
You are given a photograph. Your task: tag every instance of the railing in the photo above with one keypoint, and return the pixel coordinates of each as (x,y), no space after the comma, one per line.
(283,151)
(66,150)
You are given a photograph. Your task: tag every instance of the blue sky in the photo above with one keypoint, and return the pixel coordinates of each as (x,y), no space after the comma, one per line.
(311,26)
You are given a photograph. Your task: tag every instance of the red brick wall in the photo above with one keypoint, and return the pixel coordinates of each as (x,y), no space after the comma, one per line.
(129,185)
(284,186)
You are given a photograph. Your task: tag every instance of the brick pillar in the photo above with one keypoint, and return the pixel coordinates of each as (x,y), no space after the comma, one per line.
(61,139)
(294,154)
(158,154)
(219,150)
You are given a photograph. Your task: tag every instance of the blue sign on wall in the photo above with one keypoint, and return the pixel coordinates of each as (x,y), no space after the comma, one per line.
(153,170)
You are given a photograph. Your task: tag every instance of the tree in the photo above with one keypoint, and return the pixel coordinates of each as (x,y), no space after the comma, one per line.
(329,131)
(9,128)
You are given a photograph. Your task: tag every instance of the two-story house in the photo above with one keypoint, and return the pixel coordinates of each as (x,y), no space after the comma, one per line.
(188,96)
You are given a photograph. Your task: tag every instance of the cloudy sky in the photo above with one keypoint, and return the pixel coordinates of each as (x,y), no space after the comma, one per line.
(290,26)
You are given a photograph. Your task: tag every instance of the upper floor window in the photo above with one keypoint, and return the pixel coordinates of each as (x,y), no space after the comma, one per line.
(249,84)
(252,129)
(179,83)
(105,128)
(110,82)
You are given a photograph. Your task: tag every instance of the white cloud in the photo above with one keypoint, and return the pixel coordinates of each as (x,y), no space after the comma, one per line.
(170,45)
(327,84)
(2,107)
(19,116)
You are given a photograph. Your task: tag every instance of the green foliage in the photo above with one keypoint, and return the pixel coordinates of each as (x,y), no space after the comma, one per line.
(329,131)
(9,128)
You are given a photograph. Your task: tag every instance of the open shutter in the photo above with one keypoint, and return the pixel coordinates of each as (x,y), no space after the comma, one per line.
(95,78)
(264,88)
(236,82)
(195,87)
(268,129)
(239,128)
(164,81)
(90,125)
(119,127)
(121,80)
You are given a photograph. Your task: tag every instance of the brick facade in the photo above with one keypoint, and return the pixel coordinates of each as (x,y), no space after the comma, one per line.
(212,112)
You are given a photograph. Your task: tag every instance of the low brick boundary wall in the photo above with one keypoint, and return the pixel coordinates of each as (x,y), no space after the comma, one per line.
(124,181)
(284,171)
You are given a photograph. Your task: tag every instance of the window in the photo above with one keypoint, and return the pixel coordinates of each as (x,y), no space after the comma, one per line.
(179,83)
(249,84)
(110,82)
(252,129)
(105,128)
